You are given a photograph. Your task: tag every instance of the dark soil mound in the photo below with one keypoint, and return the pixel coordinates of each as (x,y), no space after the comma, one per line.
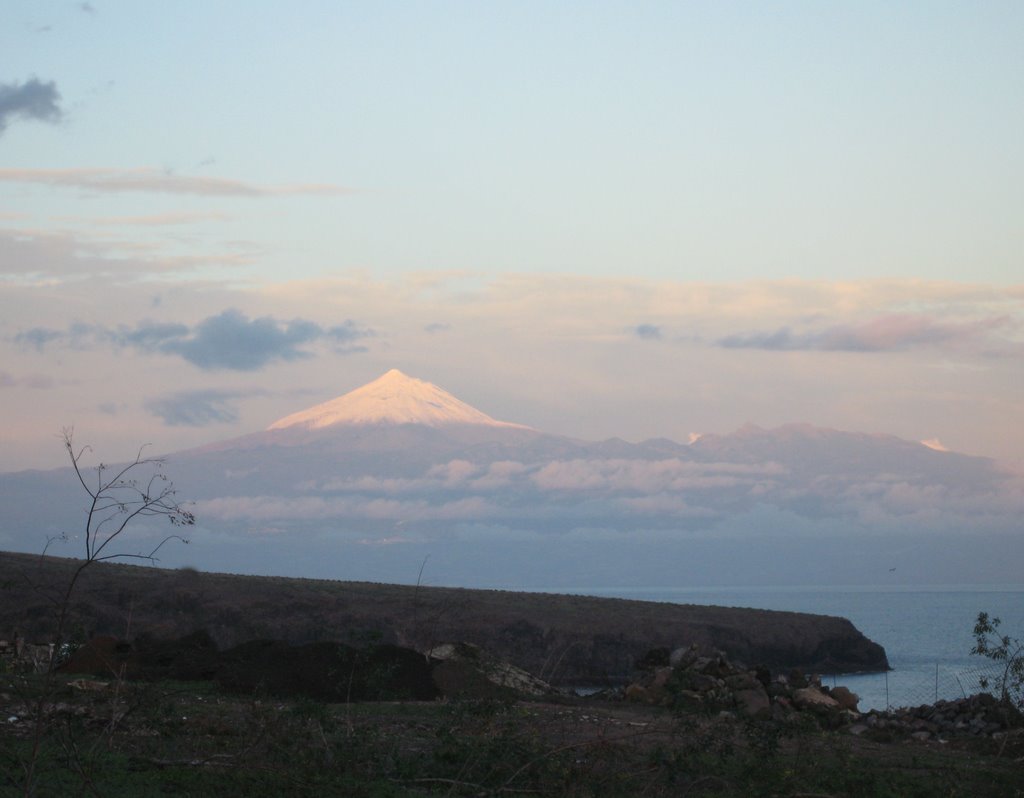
(193,657)
(102,656)
(327,671)
(464,680)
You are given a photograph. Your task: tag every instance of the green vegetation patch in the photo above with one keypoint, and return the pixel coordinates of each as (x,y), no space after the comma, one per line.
(192,739)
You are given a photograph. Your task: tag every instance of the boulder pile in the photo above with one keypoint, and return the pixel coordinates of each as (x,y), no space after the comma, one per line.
(699,680)
(980,715)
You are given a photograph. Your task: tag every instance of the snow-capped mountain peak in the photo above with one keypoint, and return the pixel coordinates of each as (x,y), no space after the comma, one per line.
(393,398)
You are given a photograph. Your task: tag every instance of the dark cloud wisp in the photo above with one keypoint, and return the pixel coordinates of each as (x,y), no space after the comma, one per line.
(649,332)
(195,408)
(39,338)
(230,340)
(32,99)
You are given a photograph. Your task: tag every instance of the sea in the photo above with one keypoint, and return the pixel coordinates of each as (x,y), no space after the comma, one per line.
(926,630)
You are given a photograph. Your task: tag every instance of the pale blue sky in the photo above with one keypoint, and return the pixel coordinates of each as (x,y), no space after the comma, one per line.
(732,140)
(670,211)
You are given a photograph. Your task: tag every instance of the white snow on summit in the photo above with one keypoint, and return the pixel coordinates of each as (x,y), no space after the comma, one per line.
(393,398)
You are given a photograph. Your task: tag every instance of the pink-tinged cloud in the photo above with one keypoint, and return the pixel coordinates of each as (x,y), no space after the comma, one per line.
(891,500)
(648,475)
(589,476)
(883,334)
(38,382)
(315,508)
(153,220)
(157,182)
(663,504)
(29,253)
(500,474)
(453,473)
(906,331)
(370,484)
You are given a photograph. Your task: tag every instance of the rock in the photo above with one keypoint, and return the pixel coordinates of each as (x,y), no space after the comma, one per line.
(846,698)
(857,729)
(507,675)
(684,657)
(464,670)
(647,694)
(921,736)
(753,703)
(689,699)
(743,681)
(691,680)
(655,658)
(777,690)
(813,699)
(964,717)
(88,685)
(661,676)
(704,665)
(782,714)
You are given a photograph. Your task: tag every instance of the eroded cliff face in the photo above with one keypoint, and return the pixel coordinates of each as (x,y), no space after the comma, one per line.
(599,641)
(561,638)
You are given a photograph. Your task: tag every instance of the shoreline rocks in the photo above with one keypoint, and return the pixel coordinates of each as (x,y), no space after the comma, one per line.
(979,715)
(694,679)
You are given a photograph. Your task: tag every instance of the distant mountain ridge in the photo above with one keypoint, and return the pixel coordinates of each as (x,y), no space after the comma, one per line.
(385,477)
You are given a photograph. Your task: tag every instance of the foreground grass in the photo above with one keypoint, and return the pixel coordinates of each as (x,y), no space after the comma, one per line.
(189,739)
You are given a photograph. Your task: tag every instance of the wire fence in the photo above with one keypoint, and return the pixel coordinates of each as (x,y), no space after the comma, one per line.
(911,688)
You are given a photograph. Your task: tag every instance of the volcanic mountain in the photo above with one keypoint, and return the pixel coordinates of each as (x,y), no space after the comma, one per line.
(394,413)
(392,398)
